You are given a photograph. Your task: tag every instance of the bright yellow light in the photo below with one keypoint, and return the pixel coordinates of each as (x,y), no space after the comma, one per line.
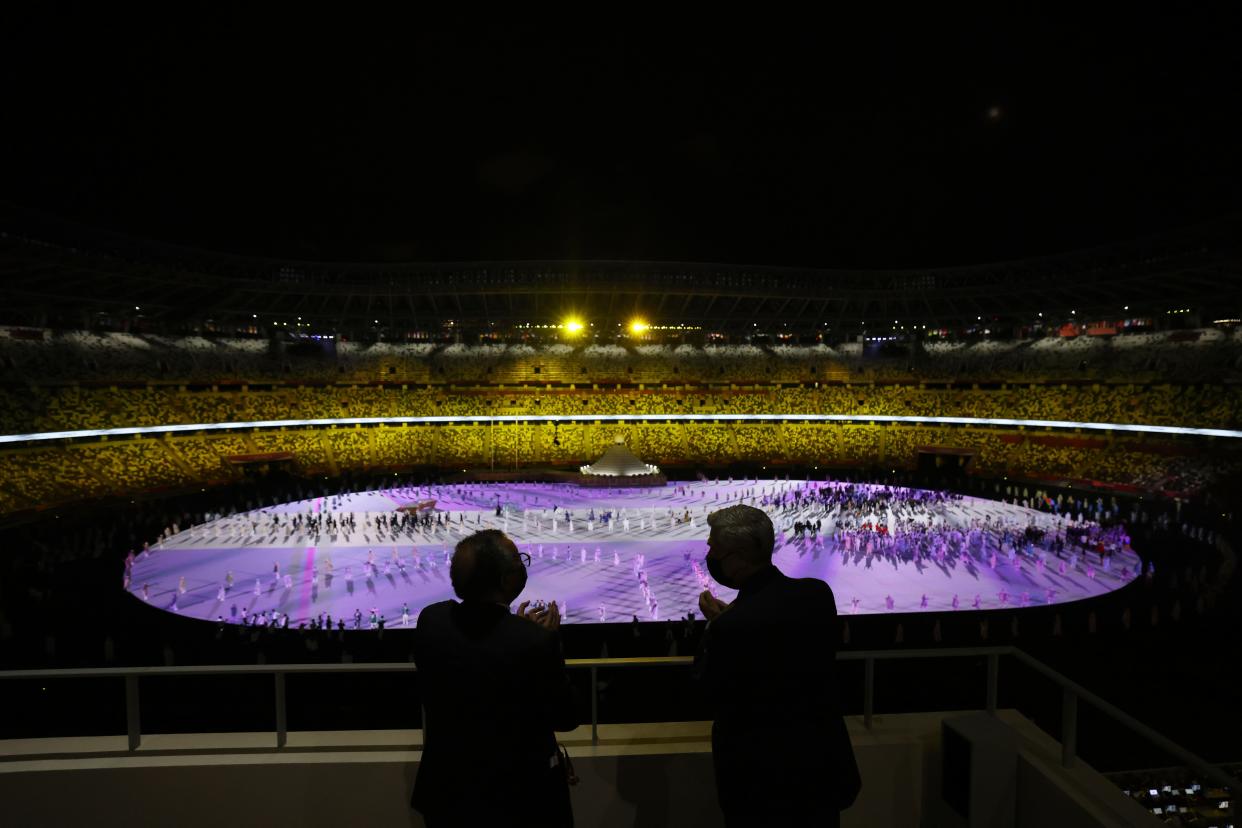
(638,326)
(573,326)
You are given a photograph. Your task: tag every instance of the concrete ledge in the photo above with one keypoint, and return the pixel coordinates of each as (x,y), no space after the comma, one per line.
(614,740)
(639,774)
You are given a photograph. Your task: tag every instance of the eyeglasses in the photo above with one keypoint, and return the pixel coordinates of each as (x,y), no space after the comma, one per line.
(525,556)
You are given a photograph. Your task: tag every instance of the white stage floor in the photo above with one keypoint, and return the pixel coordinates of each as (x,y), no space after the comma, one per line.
(325,573)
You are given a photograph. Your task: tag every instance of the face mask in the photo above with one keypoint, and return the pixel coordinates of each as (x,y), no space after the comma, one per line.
(715,568)
(519,584)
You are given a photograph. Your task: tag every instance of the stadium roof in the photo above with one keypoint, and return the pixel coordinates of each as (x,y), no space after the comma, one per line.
(585,166)
(72,272)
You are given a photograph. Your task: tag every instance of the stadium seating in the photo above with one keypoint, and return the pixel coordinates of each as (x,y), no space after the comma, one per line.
(91,381)
(1209,355)
(43,475)
(80,407)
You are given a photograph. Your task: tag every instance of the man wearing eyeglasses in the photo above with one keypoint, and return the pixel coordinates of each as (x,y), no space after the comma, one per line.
(780,749)
(494,690)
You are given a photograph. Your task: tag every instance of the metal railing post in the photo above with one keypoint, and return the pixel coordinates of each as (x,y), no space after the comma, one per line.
(993,678)
(594,705)
(868,690)
(133,715)
(282,721)
(1069,727)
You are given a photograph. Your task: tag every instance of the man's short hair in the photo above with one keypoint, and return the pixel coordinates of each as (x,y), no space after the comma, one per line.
(480,563)
(746,529)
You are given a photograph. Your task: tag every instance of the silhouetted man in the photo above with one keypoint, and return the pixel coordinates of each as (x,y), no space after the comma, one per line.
(779,744)
(494,689)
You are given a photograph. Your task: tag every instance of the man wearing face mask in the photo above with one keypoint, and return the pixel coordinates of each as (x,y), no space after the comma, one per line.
(781,752)
(494,690)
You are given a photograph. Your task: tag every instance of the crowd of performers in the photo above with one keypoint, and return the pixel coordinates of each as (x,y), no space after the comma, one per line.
(868,525)
(873,524)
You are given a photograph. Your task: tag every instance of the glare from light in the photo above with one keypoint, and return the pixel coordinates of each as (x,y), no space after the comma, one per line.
(638,326)
(573,326)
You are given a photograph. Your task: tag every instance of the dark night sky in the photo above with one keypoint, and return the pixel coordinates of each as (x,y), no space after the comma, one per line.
(822,142)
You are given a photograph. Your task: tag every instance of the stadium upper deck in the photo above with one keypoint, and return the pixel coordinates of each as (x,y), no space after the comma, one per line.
(72,277)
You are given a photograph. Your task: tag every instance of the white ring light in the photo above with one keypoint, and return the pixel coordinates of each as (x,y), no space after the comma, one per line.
(595,418)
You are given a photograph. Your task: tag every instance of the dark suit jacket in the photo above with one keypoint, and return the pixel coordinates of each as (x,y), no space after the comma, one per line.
(494,689)
(768,665)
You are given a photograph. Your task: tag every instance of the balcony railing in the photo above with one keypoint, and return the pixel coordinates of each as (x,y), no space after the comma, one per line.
(1071,692)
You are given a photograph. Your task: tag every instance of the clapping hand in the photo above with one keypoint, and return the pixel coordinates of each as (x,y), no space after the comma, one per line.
(548,617)
(710,605)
